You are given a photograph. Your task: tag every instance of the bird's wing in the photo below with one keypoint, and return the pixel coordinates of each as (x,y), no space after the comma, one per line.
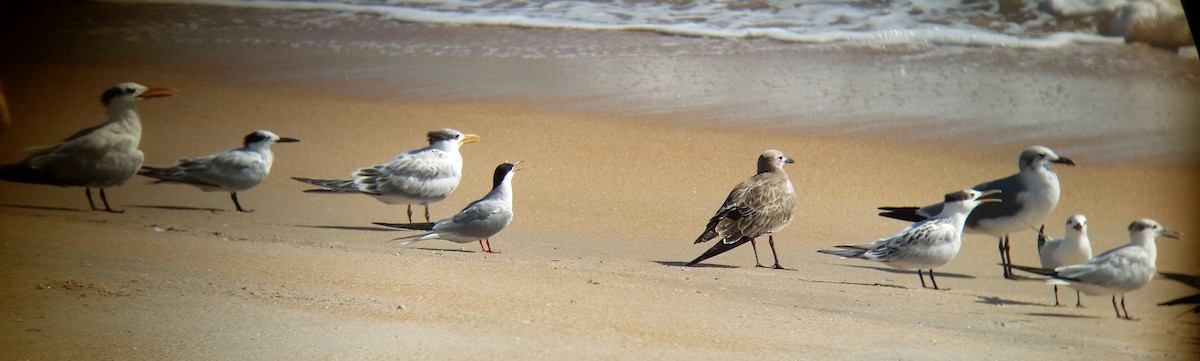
(1010,187)
(1118,268)
(916,237)
(762,206)
(429,173)
(731,209)
(479,220)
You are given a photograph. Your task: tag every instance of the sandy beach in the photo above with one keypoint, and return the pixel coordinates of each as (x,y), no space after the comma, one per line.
(611,197)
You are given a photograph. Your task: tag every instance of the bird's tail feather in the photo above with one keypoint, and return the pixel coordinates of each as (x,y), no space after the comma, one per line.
(410,239)
(1035,270)
(902,213)
(329,186)
(1041,237)
(845,252)
(719,248)
(412,226)
(23,173)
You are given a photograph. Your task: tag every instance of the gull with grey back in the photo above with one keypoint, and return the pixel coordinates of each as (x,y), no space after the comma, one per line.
(232,171)
(102,156)
(930,243)
(1027,198)
(760,205)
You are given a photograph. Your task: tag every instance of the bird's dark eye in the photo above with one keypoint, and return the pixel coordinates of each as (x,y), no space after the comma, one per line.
(129,90)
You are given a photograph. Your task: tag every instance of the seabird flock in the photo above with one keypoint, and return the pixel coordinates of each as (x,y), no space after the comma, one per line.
(107,155)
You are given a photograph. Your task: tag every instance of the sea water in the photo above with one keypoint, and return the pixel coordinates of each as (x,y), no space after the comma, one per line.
(1056,72)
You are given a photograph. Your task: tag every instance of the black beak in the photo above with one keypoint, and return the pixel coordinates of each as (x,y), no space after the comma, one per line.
(287,140)
(1078,227)
(1064,160)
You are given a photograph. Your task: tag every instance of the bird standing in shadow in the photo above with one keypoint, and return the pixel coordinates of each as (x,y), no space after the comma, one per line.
(232,171)
(102,156)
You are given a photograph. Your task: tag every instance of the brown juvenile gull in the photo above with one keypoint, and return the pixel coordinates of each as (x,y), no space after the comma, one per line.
(421,176)
(1027,198)
(760,205)
(102,156)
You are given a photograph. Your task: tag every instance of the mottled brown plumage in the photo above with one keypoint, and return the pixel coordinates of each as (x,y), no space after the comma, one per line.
(761,205)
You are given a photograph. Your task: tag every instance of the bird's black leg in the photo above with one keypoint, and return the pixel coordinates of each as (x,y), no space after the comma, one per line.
(1077,303)
(410,216)
(1056,295)
(922,276)
(88,192)
(933,280)
(754,246)
(104,198)
(1114,302)
(237,204)
(771,241)
(1006,258)
(1123,307)
(426,214)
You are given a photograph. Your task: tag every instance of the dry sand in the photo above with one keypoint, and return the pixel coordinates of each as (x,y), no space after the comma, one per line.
(606,210)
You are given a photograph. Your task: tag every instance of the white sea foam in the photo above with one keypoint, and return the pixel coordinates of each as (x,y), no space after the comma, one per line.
(1007,23)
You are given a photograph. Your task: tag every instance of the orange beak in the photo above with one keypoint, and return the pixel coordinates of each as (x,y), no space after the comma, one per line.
(158,92)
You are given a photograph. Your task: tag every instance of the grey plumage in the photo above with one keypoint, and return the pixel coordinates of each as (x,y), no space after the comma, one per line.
(101,156)
(760,205)
(1118,271)
(421,176)
(1026,199)
(929,243)
(232,170)
(478,221)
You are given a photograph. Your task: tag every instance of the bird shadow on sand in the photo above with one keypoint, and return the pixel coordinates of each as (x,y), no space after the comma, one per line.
(997,301)
(710,265)
(179,208)
(908,272)
(1062,315)
(42,208)
(350,228)
(445,250)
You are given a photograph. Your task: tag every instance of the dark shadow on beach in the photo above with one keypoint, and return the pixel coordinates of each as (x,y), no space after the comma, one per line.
(908,272)
(179,208)
(42,208)
(1061,315)
(991,300)
(351,228)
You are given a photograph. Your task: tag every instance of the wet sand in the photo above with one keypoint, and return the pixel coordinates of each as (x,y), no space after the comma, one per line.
(606,210)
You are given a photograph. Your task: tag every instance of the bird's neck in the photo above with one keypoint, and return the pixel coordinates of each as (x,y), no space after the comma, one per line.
(262,148)
(957,212)
(125,118)
(502,192)
(1147,242)
(444,145)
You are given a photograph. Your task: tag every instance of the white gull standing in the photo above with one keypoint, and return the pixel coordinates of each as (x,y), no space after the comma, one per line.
(1028,197)
(1119,271)
(102,156)
(929,243)
(1074,248)
(232,171)
(421,176)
